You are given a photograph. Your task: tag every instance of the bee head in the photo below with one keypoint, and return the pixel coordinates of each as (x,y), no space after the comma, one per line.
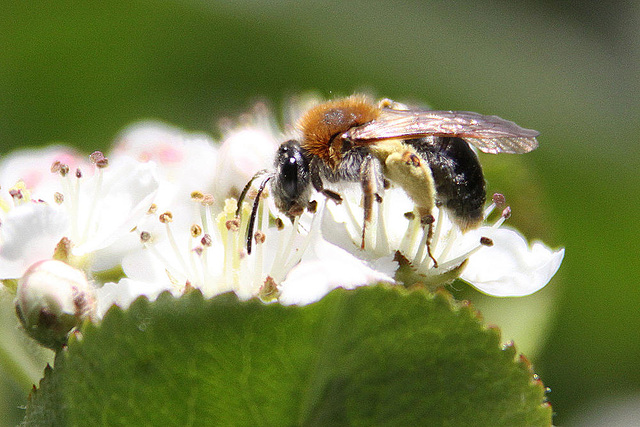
(291,181)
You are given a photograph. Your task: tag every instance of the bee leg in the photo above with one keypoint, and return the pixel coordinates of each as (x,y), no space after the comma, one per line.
(316,181)
(428,220)
(372,184)
(332,195)
(367,195)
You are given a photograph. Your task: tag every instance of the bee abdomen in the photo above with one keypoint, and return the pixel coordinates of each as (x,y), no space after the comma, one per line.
(457,176)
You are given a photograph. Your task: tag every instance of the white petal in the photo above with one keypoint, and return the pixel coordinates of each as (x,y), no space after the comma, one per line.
(241,155)
(129,189)
(141,265)
(124,293)
(29,234)
(510,267)
(33,167)
(186,161)
(331,268)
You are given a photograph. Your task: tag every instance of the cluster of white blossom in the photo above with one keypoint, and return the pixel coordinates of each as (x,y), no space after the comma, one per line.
(161,211)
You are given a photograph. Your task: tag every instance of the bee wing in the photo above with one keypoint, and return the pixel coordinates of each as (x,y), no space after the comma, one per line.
(490,134)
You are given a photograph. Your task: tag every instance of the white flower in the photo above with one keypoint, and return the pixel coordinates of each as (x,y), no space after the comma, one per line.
(510,268)
(190,237)
(208,251)
(29,234)
(201,244)
(247,148)
(26,174)
(77,216)
(290,263)
(495,260)
(185,161)
(325,268)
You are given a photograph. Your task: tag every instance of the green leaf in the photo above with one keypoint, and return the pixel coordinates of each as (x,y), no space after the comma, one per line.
(45,407)
(373,356)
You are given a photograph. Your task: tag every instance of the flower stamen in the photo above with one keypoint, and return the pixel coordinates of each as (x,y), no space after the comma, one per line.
(166,219)
(101,163)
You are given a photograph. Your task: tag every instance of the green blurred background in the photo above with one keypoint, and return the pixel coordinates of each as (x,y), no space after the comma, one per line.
(78,72)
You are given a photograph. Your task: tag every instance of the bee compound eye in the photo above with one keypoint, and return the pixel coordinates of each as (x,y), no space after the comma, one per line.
(289,177)
(292,175)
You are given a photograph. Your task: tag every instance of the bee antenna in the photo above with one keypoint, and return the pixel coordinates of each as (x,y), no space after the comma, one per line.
(254,212)
(245,190)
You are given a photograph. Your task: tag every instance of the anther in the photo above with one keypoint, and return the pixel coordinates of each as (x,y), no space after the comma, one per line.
(410,216)
(197,196)
(166,217)
(145,236)
(207,200)
(485,241)
(59,167)
(58,198)
(233,224)
(498,199)
(15,194)
(259,237)
(196,230)
(279,224)
(152,209)
(78,173)
(506,213)
(206,240)
(198,250)
(98,159)
(56,166)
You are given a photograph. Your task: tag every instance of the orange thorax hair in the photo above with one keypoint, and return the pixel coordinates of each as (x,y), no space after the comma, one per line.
(322,126)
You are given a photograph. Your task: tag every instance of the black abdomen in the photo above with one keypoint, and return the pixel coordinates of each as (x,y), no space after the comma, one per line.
(457,175)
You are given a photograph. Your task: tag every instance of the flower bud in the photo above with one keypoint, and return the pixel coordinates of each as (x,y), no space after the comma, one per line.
(53,298)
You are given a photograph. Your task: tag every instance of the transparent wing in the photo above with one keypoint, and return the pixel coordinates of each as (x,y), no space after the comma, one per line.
(490,134)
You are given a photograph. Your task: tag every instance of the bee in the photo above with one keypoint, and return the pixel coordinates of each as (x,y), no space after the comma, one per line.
(427,153)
